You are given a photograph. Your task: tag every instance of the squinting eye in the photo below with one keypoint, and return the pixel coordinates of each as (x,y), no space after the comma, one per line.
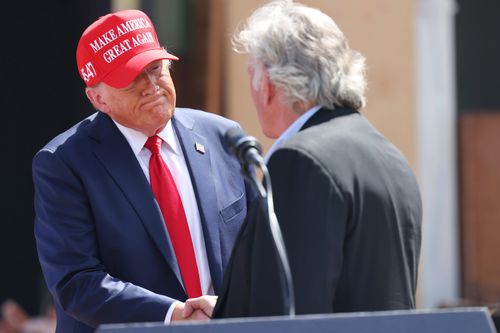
(156,70)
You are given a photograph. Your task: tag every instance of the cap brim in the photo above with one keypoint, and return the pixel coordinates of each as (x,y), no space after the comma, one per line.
(125,73)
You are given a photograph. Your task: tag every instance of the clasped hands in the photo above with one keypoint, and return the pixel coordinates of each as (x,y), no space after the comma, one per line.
(199,308)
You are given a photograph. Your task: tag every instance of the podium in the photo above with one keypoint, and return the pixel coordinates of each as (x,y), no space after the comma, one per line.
(461,320)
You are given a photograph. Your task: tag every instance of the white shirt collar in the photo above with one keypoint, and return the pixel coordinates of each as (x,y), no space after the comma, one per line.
(292,130)
(137,139)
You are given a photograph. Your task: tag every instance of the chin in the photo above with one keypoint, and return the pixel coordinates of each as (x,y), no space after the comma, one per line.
(162,113)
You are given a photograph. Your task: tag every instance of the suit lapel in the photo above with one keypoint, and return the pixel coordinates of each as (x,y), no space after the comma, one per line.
(114,152)
(200,170)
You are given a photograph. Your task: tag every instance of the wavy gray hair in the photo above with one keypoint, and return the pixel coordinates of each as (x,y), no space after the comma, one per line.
(305,54)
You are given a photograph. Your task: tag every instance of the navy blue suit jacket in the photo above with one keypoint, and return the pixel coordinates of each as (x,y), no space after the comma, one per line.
(101,240)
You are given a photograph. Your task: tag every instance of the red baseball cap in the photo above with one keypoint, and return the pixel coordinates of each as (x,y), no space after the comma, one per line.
(116,48)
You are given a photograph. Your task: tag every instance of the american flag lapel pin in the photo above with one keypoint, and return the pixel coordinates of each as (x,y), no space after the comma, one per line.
(199,148)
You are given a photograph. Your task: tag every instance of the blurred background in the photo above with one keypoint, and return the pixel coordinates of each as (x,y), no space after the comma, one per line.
(433,78)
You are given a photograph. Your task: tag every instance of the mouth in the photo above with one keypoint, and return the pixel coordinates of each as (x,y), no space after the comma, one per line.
(153,101)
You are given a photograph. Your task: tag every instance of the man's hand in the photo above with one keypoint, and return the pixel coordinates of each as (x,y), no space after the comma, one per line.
(204,303)
(200,308)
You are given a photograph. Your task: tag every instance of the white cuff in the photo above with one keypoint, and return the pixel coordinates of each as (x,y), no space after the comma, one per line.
(170,312)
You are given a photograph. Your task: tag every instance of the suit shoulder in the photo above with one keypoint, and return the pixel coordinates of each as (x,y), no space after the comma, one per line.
(72,133)
(345,135)
(187,114)
(347,148)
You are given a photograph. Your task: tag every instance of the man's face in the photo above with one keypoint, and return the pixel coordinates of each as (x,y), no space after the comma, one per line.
(146,104)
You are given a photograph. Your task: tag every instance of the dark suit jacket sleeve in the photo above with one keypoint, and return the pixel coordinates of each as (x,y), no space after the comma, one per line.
(67,247)
(312,213)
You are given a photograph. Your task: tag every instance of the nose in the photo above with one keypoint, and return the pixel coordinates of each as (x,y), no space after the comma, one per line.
(150,84)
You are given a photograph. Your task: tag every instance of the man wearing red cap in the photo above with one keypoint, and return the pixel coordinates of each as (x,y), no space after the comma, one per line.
(137,206)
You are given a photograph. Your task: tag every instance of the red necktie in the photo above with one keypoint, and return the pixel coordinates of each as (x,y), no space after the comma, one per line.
(168,198)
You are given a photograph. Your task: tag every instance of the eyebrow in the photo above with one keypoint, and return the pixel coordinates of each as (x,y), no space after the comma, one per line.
(155,63)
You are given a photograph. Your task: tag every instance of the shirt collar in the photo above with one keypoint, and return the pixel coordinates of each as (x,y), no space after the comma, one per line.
(292,130)
(137,139)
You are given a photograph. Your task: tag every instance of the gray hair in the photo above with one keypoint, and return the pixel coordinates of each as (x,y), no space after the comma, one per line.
(305,54)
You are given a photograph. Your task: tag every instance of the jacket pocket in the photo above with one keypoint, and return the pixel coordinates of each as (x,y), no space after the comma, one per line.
(229,213)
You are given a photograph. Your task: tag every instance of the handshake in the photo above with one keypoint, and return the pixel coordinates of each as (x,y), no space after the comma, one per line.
(199,308)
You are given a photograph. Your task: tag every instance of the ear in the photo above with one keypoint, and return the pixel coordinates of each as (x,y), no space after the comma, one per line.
(268,89)
(96,98)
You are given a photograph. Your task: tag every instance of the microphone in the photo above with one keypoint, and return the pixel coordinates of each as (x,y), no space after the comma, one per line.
(246,148)
(248,151)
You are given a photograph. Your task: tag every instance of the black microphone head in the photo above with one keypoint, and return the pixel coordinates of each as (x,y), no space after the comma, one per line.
(239,143)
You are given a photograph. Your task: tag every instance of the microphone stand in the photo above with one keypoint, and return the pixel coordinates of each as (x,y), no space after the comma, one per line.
(267,205)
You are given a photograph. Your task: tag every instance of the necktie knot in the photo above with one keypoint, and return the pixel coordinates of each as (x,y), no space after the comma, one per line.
(154,144)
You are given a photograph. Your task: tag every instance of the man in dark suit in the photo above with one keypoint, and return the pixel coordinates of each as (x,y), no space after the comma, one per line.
(137,206)
(347,201)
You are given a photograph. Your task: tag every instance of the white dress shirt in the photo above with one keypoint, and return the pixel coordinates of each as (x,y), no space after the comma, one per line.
(171,153)
(292,130)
